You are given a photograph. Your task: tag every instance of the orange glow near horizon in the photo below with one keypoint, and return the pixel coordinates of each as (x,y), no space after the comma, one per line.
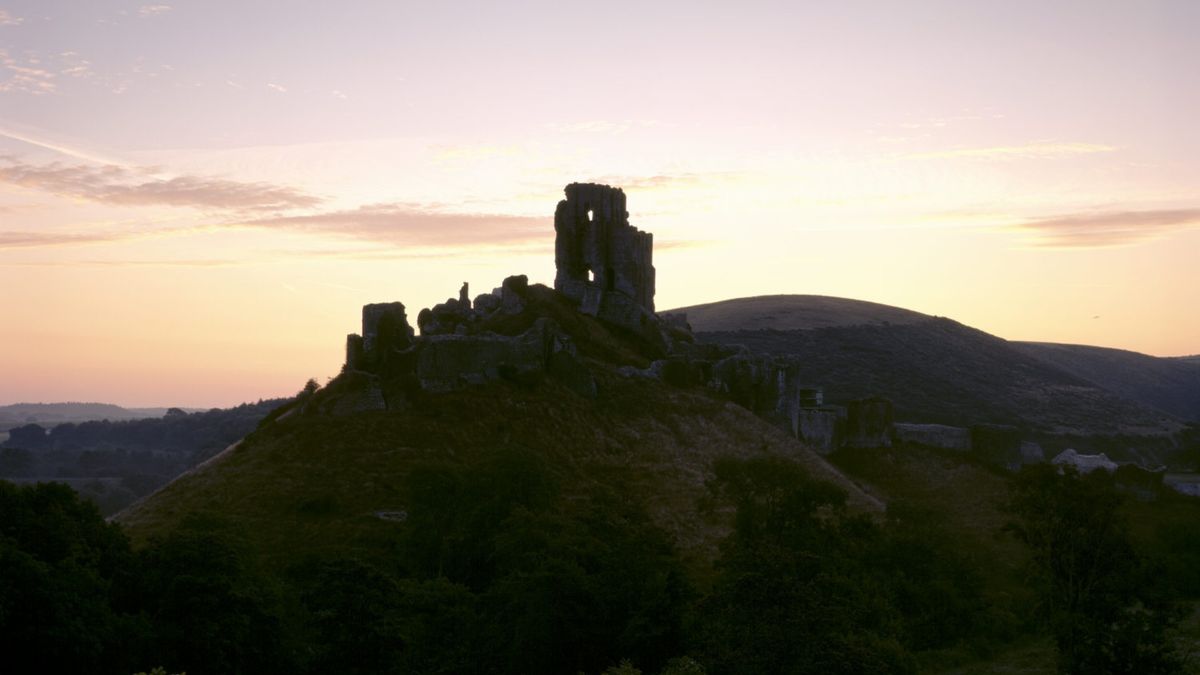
(182,224)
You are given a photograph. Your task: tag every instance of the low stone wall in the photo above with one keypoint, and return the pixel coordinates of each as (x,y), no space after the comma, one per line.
(934,436)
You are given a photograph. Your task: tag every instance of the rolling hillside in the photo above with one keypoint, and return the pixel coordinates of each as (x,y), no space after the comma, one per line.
(308,484)
(934,369)
(1169,384)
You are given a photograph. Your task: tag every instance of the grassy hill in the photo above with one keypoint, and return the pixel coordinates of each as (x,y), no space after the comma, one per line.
(1169,384)
(307,485)
(934,369)
(794,312)
(317,483)
(48,414)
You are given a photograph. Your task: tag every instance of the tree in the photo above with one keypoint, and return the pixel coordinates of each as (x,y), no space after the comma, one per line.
(211,613)
(58,560)
(1095,594)
(796,591)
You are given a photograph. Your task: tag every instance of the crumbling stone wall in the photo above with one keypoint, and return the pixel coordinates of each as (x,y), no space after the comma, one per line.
(869,423)
(935,436)
(597,251)
(385,323)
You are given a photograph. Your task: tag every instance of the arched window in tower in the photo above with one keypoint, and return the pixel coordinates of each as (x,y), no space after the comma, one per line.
(590,216)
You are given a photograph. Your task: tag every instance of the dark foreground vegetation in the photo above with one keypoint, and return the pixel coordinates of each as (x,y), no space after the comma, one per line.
(113,463)
(497,569)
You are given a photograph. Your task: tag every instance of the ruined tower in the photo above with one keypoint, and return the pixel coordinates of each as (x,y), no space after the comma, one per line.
(597,251)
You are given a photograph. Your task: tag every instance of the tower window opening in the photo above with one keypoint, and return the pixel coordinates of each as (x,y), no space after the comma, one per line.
(591,275)
(590,216)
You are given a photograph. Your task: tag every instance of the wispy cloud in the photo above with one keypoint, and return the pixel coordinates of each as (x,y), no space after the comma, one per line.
(117,185)
(1100,228)
(153,10)
(665,180)
(601,127)
(7,19)
(276,87)
(1041,150)
(38,139)
(175,262)
(24,75)
(411,225)
(31,239)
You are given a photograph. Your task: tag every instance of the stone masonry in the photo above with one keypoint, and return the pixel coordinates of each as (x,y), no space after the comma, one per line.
(597,251)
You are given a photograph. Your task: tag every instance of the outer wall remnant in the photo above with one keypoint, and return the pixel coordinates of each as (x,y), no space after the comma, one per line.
(869,423)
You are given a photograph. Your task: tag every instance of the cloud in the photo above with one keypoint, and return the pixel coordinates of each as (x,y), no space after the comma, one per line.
(411,225)
(659,181)
(30,239)
(7,19)
(602,127)
(38,139)
(117,185)
(1108,228)
(24,76)
(1046,150)
(153,10)
(276,87)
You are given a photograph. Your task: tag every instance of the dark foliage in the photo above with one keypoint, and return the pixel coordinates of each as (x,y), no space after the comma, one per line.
(561,586)
(74,598)
(1102,602)
(115,463)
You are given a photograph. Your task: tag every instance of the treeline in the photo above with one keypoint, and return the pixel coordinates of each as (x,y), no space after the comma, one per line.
(114,463)
(497,570)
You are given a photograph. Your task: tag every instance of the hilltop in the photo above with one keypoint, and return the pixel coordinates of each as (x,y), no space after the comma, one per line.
(580,375)
(794,312)
(935,370)
(17,414)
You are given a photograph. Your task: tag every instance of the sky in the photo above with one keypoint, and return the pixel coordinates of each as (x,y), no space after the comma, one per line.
(197,197)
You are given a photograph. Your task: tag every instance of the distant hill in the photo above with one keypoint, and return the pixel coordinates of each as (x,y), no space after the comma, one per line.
(1169,384)
(794,312)
(48,414)
(111,460)
(934,369)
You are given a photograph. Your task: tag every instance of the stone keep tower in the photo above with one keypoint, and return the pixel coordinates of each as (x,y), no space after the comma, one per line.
(597,251)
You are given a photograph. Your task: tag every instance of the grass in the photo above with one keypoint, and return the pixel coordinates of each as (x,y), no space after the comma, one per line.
(311,485)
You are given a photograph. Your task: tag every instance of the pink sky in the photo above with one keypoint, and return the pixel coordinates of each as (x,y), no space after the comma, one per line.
(196,198)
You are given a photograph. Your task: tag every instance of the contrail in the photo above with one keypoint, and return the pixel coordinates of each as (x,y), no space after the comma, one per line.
(7,132)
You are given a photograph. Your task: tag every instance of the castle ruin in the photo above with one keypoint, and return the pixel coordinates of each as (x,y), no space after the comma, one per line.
(597,252)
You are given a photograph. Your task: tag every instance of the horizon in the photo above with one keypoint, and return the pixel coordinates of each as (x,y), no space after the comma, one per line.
(196,200)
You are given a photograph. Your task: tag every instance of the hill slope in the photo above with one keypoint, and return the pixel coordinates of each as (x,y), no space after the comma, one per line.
(934,369)
(45,414)
(794,312)
(313,483)
(1169,384)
